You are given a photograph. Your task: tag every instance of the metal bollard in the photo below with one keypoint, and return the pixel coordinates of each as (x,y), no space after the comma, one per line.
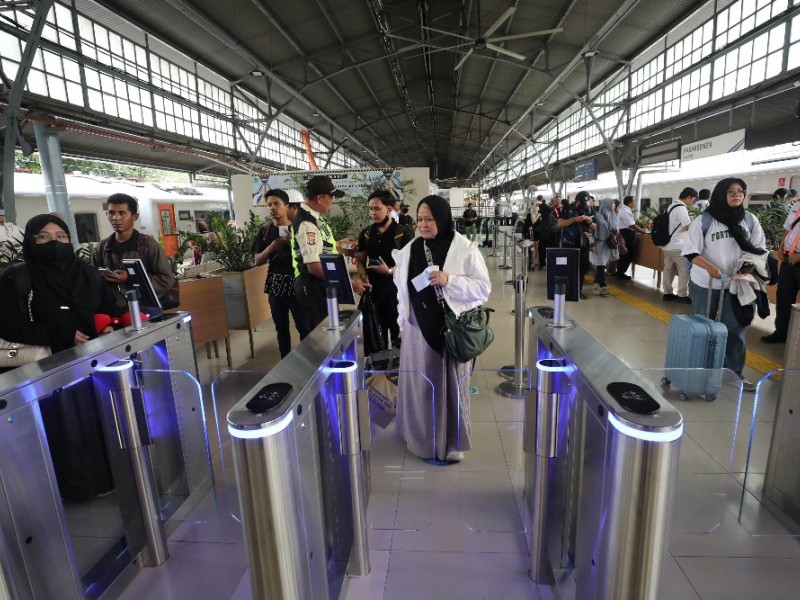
(344,376)
(129,418)
(132,296)
(505,264)
(333,306)
(544,441)
(494,238)
(515,387)
(514,270)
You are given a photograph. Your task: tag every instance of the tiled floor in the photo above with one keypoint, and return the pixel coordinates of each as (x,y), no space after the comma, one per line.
(458,532)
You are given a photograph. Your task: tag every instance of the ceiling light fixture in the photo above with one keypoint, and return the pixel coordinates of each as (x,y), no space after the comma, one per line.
(590,53)
(257,73)
(315,114)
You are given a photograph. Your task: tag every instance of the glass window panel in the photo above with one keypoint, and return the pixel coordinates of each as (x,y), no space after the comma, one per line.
(794,56)
(120,89)
(124,109)
(56,88)
(746,53)
(74,93)
(759,69)
(747,25)
(136,113)
(72,71)
(100,36)
(92,78)
(773,65)
(9,47)
(95,100)
(776,37)
(37,83)
(63,17)
(743,78)
(86,29)
(110,104)
(38,62)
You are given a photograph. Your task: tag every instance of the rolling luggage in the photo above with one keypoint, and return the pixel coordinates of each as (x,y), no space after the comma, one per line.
(696,342)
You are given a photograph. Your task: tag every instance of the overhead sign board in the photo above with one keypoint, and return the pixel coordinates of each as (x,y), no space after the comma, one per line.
(352,183)
(659,152)
(586,170)
(720,144)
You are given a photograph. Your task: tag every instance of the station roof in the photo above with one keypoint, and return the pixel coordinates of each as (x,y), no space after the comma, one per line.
(389,79)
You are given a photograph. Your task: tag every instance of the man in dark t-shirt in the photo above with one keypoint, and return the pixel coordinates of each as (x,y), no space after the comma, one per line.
(273,245)
(470,220)
(375,263)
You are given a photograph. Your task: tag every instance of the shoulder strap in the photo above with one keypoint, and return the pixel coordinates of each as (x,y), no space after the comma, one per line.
(706,223)
(141,248)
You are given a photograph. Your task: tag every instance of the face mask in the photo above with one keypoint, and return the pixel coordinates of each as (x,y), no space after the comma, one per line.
(53,251)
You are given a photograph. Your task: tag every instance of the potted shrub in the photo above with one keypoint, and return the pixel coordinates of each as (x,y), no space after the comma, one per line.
(246,303)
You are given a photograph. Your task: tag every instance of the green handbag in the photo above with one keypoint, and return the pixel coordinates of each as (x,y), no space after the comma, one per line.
(467,336)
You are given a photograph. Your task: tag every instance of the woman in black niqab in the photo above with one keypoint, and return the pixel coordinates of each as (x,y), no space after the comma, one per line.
(66,291)
(428,311)
(731,216)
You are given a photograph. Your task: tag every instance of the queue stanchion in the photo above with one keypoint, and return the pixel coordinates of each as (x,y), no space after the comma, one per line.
(505,266)
(517,383)
(494,237)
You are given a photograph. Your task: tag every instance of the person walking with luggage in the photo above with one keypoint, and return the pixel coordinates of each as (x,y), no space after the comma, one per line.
(717,252)
(433,388)
(674,262)
(788,278)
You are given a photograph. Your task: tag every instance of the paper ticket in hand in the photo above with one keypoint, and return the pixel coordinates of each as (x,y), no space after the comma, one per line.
(422,280)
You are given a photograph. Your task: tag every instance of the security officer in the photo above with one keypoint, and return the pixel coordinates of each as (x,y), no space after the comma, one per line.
(313,237)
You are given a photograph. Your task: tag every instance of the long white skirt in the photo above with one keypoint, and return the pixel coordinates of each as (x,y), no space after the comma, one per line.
(432,421)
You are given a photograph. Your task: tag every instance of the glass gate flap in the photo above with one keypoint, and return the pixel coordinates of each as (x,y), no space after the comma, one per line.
(710,454)
(402,494)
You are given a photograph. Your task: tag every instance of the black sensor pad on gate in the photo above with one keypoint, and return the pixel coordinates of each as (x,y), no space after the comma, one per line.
(633,398)
(269,397)
(546,312)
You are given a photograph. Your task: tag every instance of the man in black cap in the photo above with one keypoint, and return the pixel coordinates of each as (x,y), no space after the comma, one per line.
(313,237)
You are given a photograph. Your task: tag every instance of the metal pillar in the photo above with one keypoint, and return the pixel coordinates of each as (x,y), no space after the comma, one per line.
(55,184)
(514,261)
(12,133)
(544,439)
(515,387)
(127,408)
(345,382)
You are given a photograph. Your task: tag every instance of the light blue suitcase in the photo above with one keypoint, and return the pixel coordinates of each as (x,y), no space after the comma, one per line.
(696,342)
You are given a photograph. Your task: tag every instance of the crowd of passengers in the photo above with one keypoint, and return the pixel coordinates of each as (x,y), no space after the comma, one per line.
(415,272)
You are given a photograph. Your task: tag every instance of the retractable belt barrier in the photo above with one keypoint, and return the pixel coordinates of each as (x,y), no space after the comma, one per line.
(601,457)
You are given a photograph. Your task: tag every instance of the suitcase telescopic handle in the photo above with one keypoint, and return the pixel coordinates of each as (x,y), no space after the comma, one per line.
(723,278)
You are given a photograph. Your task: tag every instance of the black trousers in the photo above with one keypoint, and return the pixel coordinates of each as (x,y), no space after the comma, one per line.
(786,295)
(385,300)
(310,294)
(629,235)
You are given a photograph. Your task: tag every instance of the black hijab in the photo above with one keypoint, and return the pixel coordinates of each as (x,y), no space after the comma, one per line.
(59,278)
(730,216)
(427,310)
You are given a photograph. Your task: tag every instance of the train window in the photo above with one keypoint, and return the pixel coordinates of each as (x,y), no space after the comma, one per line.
(86,226)
(757,201)
(662,202)
(645,203)
(206,215)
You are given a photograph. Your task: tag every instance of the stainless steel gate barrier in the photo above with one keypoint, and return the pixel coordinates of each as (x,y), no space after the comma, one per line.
(300,474)
(77,430)
(602,469)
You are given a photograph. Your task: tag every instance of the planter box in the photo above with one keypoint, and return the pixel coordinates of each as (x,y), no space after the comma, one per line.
(246,303)
(203,299)
(647,254)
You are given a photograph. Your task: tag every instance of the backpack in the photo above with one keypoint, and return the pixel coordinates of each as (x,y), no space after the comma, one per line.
(172,297)
(660,233)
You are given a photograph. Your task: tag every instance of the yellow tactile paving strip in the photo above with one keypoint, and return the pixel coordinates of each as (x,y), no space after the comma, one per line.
(757,362)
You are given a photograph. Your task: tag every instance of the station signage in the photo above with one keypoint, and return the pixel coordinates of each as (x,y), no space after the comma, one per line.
(586,170)
(720,144)
(354,183)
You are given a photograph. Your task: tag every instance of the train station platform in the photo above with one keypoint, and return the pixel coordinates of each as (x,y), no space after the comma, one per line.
(458,531)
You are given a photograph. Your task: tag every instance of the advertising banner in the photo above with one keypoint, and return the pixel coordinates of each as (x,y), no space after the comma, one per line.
(353,183)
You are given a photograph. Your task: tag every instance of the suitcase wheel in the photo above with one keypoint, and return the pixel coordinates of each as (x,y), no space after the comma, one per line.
(682,396)
(711,397)
(665,381)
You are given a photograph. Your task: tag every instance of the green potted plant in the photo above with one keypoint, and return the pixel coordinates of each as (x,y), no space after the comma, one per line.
(242,282)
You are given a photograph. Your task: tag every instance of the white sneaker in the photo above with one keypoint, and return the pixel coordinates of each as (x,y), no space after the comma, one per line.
(596,288)
(748,386)
(603,291)
(454,456)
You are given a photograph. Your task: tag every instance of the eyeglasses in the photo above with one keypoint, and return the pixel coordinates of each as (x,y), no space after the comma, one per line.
(43,237)
(734,193)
